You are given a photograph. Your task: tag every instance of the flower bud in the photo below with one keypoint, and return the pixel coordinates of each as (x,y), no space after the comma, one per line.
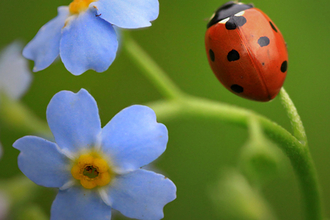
(236,199)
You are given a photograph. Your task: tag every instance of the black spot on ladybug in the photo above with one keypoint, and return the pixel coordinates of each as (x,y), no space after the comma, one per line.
(263,41)
(233,55)
(263,63)
(240,20)
(212,57)
(272,25)
(284,66)
(236,88)
(230,25)
(234,22)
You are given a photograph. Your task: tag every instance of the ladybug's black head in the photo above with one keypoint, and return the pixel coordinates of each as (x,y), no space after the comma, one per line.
(227,10)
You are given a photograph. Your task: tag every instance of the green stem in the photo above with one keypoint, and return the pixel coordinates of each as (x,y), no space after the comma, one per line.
(18,116)
(300,134)
(255,131)
(296,123)
(180,105)
(151,70)
(300,158)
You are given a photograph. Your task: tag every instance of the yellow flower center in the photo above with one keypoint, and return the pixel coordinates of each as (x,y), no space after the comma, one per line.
(78,6)
(92,170)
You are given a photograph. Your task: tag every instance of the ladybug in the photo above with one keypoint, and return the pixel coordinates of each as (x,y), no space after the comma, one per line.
(246,51)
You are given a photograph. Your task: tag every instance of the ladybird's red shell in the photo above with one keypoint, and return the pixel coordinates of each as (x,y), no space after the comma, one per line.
(248,54)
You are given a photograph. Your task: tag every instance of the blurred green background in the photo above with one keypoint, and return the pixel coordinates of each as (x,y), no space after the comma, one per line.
(197,150)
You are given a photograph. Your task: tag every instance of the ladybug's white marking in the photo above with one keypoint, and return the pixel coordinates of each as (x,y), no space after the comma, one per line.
(223,21)
(240,13)
(212,16)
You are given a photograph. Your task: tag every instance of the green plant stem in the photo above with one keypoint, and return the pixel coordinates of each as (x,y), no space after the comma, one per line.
(296,123)
(151,70)
(16,115)
(179,104)
(255,131)
(298,130)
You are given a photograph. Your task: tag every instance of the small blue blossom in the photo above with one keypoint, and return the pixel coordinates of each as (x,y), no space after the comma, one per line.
(15,75)
(98,169)
(83,34)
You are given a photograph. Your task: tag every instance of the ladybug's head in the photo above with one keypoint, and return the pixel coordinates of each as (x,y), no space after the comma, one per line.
(226,10)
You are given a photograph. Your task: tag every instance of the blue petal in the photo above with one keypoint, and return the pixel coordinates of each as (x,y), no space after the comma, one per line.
(133,138)
(141,194)
(88,42)
(79,203)
(74,120)
(15,75)
(44,47)
(128,13)
(42,162)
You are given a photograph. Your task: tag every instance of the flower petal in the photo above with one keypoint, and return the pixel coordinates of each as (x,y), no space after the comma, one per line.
(15,76)
(141,194)
(79,203)
(74,120)
(133,138)
(128,13)
(42,162)
(88,42)
(44,47)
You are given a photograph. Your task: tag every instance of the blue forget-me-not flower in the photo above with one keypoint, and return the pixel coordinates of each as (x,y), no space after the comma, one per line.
(83,33)
(96,168)
(15,75)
